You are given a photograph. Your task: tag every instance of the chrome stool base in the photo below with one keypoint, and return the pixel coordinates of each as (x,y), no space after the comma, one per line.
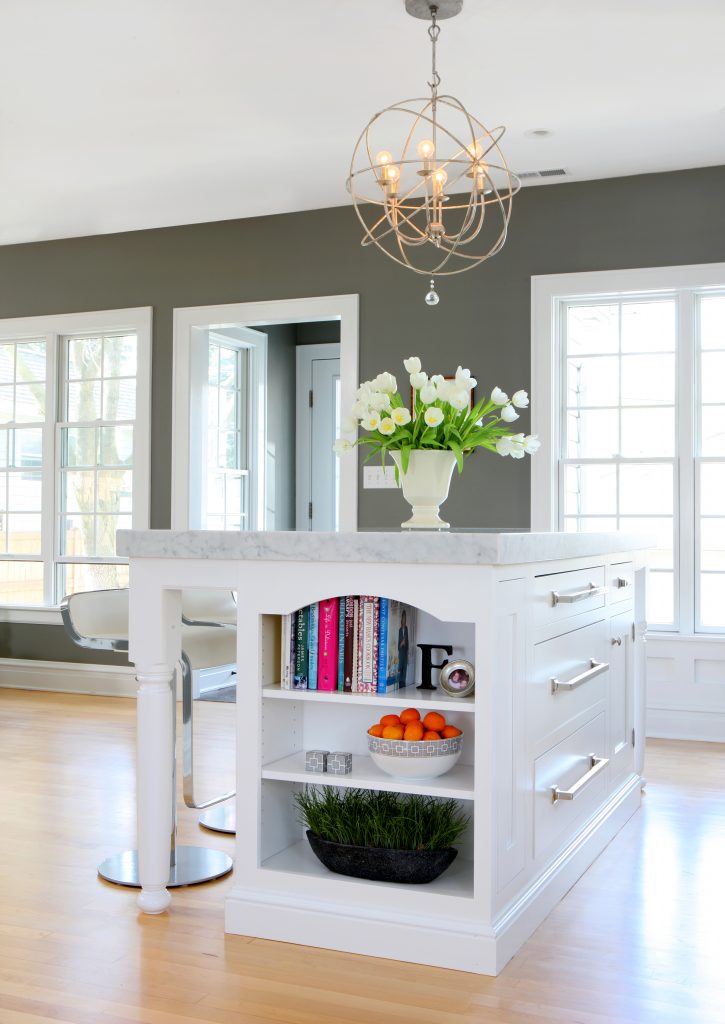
(193,864)
(222,818)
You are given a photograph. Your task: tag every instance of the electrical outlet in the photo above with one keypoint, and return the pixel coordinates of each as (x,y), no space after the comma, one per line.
(378,477)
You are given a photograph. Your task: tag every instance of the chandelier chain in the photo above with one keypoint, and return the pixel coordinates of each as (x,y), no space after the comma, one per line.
(433,32)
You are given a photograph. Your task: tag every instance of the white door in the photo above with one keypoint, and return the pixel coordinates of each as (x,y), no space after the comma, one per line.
(318,424)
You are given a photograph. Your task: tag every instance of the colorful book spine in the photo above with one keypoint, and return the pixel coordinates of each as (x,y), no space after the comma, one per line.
(383,646)
(285,674)
(356,644)
(302,664)
(327,646)
(349,640)
(367,662)
(313,634)
(341,612)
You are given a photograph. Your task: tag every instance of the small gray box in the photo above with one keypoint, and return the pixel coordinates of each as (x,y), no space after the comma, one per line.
(316,761)
(339,762)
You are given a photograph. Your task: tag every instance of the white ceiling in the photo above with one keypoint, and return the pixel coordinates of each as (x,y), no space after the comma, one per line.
(116,116)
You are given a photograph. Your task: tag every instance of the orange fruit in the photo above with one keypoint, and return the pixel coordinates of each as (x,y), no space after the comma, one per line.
(376,730)
(434,721)
(430,735)
(450,731)
(414,731)
(389,720)
(393,732)
(409,715)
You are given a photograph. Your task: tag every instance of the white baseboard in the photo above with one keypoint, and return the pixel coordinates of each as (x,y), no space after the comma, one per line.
(674,723)
(68,677)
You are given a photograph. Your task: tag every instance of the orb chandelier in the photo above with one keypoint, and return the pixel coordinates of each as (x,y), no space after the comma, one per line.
(428,181)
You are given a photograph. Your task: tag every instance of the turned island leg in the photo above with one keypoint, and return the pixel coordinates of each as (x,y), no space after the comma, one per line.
(155,778)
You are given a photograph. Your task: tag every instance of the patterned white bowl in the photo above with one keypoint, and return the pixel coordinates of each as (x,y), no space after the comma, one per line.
(415,759)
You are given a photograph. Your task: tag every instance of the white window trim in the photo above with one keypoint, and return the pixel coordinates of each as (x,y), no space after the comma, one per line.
(547,293)
(53,326)
(256,314)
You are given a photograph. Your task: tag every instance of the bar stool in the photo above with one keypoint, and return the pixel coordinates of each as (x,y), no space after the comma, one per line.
(209,608)
(98,620)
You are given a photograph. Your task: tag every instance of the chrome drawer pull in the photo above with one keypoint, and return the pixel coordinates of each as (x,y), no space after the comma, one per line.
(598,764)
(620,582)
(595,669)
(578,595)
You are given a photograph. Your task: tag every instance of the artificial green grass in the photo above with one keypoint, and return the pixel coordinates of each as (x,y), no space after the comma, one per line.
(393,821)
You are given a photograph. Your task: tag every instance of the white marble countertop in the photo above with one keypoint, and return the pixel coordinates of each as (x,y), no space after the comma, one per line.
(413,546)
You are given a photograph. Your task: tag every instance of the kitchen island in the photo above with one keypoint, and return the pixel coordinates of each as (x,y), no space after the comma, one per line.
(554,732)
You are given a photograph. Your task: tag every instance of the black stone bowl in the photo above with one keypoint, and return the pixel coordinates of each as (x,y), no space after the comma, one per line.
(380,865)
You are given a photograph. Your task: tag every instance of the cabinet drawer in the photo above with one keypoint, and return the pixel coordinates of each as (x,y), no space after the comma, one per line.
(568,768)
(620,582)
(563,594)
(570,675)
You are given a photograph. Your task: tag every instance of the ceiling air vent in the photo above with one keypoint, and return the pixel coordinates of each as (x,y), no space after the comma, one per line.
(554,172)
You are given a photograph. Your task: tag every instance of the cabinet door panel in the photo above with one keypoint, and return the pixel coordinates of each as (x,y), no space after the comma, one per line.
(570,677)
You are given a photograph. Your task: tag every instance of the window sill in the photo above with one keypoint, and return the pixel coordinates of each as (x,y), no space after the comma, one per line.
(31,614)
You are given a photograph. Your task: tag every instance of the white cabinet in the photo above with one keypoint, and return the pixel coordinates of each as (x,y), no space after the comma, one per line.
(547,774)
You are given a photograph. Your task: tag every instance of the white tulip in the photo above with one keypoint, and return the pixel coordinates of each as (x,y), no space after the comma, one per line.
(517,446)
(446,390)
(387,426)
(428,394)
(412,364)
(503,445)
(386,382)
(349,424)
(532,444)
(437,379)
(464,379)
(371,422)
(359,409)
(418,379)
(379,400)
(433,416)
(499,397)
(459,400)
(400,416)
(341,446)
(508,414)
(520,400)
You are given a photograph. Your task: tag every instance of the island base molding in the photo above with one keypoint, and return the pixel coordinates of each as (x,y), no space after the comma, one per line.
(457,944)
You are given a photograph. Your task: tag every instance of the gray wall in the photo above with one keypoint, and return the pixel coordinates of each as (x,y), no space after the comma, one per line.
(482,321)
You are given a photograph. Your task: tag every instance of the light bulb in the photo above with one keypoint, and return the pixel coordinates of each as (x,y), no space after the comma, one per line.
(392,172)
(475,150)
(425,149)
(440,177)
(384,157)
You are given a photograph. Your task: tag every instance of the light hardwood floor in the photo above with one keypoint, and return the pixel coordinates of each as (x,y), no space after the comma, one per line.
(639,940)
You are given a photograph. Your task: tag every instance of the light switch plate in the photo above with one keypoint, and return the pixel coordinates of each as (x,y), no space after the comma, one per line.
(377,477)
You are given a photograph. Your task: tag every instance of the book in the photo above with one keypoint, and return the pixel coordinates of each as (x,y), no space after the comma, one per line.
(285,675)
(341,610)
(400,644)
(368,662)
(313,633)
(349,642)
(355,643)
(327,645)
(382,682)
(301,631)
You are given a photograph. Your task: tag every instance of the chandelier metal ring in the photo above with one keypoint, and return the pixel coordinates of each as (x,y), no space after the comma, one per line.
(428,180)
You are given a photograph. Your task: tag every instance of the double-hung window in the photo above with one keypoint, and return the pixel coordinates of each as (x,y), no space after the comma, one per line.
(629,400)
(74,450)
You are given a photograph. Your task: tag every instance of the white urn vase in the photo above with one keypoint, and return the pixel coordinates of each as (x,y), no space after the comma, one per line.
(425,486)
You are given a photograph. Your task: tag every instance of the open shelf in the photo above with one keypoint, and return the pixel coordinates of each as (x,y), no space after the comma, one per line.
(433,700)
(456,881)
(456,783)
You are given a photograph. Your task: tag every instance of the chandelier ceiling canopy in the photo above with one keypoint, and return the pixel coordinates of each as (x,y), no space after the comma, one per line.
(428,180)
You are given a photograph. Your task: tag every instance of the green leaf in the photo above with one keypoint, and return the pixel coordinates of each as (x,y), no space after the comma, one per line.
(456,449)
